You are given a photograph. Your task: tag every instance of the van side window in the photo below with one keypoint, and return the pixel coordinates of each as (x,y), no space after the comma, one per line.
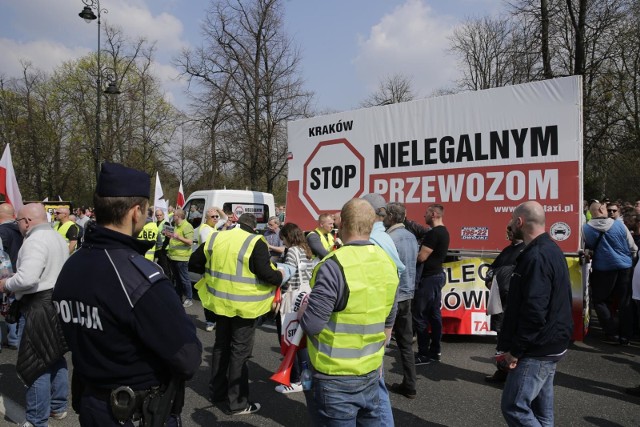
(194,211)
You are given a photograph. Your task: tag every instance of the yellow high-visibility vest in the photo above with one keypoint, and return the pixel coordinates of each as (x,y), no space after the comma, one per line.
(228,287)
(352,342)
(178,251)
(149,232)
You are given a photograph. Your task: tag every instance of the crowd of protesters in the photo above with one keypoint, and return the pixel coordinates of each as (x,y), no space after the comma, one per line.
(330,273)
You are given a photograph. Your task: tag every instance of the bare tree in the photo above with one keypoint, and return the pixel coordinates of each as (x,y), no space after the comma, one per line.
(485,47)
(249,65)
(391,90)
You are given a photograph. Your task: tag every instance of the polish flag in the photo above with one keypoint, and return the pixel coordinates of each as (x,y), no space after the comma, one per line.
(8,181)
(180,200)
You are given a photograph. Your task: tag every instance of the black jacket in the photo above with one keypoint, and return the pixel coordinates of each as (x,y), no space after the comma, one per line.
(43,343)
(11,241)
(538,319)
(122,319)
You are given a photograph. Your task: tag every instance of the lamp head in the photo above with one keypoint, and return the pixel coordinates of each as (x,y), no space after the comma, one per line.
(112,89)
(87,14)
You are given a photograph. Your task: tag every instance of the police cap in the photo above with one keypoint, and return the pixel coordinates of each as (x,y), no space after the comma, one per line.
(116,180)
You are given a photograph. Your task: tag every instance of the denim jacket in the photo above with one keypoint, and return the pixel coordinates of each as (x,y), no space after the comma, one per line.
(407,247)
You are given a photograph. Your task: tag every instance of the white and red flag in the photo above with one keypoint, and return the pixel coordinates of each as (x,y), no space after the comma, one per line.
(180,200)
(8,181)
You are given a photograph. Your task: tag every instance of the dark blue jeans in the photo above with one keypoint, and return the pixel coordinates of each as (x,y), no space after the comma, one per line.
(527,398)
(426,313)
(180,270)
(345,401)
(609,288)
(48,394)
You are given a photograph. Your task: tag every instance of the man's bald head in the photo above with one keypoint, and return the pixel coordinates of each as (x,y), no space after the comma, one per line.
(35,212)
(7,212)
(533,213)
(528,221)
(598,210)
(358,217)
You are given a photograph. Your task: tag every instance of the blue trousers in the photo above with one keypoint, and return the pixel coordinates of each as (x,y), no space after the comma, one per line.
(527,398)
(426,313)
(345,401)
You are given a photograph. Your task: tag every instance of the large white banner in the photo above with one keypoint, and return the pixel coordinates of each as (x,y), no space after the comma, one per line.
(479,154)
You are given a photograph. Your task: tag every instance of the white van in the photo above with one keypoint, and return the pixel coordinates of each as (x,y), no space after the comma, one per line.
(233,202)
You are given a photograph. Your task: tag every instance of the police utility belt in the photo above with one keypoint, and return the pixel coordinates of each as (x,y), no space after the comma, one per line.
(125,403)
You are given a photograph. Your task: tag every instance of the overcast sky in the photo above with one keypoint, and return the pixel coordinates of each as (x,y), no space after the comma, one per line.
(347,45)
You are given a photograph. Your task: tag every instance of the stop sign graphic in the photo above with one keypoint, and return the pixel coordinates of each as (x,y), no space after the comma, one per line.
(333,174)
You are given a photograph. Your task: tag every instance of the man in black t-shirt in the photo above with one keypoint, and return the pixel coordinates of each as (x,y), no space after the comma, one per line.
(426,302)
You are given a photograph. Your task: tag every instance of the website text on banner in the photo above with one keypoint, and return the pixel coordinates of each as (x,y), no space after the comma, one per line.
(465,298)
(480,154)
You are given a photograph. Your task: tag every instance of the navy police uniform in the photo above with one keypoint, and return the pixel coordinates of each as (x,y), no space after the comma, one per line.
(121,317)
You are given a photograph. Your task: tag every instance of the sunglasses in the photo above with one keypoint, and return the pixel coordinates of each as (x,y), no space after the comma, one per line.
(612,210)
(215,216)
(25,219)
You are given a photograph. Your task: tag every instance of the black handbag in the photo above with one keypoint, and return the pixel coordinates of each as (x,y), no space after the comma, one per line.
(13,313)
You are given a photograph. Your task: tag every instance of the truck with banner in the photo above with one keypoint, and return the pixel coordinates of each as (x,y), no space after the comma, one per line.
(479,154)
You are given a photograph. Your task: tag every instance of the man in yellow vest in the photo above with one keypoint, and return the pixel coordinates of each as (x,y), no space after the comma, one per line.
(213,218)
(179,252)
(67,228)
(321,239)
(150,233)
(238,285)
(210,225)
(348,309)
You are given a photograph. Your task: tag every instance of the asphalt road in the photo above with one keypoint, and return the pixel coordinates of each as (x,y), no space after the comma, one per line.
(589,386)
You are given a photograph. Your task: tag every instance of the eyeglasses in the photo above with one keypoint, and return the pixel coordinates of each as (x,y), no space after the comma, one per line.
(25,219)
(612,210)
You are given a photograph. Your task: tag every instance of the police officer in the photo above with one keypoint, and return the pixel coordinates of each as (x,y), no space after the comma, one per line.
(132,344)
(238,285)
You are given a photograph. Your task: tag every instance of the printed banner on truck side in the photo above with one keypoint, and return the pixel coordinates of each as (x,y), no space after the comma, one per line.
(479,154)
(465,298)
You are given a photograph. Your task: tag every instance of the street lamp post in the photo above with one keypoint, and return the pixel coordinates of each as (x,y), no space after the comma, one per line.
(88,15)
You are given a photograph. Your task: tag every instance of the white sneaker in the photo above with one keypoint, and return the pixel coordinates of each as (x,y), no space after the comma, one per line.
(210,327)
(250,409)
(58,415)
(293,388)
(187,303)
